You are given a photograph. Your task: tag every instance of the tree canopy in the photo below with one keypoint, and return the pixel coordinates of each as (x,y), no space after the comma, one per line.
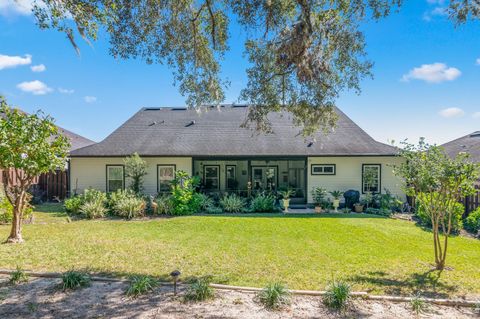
(303,53)
(30,144)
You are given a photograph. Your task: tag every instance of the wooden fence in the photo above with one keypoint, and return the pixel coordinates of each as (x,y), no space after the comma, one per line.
(50,186)
(471,202)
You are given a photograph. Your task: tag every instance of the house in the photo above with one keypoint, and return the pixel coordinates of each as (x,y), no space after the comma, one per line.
(467,144)
(212,144)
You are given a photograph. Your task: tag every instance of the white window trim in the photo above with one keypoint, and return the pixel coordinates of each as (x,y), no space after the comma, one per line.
(313,166)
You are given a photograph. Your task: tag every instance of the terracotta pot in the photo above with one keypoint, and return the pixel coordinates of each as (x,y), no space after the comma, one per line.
(358,208)
(318,209)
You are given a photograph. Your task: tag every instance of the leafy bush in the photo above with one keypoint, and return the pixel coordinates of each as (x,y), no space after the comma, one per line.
(214,210)
(205,202)
(337,295)
(73,204)
(232,203)
(135,170)
(18,276)
(93,203)
(263,203)
(140,285)
(274,296)
(6,211)
(472,222)
(387,201)
(457,223)
(199,290)
(125,203)
(164,204)
(318,195)
(75,279)
(185,199)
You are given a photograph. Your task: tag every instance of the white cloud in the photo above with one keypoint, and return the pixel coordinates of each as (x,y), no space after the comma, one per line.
(451,112)
(432,73)
(90,99)
(65,91)
(477,62)
(38,68)
(12,61)
(17,7)
(476,115)
(440,2)
(35,87)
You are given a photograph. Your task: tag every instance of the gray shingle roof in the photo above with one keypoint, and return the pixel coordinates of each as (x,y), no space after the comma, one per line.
(217,132)
(76,141)
(469,143)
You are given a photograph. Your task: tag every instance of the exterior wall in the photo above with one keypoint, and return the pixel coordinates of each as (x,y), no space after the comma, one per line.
(88,172)
(349,174)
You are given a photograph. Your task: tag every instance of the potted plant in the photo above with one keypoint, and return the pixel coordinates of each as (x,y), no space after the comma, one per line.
(286,194)
(318,195)
(336,199)
(358,207)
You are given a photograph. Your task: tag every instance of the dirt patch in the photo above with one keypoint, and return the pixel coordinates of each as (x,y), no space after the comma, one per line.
(42,298)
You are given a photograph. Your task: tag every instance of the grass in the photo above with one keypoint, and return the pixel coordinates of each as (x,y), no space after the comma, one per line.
(140,285)
(274,296)
(371,253)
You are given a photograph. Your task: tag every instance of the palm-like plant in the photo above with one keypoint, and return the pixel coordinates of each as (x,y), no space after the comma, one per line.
(336,194)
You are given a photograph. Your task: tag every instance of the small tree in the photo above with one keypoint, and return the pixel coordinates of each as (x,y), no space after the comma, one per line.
(136,169)
(437,182)
(30,145)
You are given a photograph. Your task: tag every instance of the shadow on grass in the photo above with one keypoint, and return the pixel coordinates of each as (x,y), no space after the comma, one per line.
(427,283)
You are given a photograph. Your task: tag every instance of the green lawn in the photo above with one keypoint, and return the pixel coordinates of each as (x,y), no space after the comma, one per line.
(373,253)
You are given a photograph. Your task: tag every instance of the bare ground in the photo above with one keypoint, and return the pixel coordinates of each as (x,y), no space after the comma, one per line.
(43,298)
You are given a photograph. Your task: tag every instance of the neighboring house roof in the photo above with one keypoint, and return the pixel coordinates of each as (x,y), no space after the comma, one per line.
(469,143)
(76,141)
(217,132)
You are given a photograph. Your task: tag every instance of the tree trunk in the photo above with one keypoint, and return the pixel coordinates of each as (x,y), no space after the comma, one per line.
(16,231)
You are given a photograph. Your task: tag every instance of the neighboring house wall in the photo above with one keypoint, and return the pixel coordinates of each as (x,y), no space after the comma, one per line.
(88,172)
(349,174)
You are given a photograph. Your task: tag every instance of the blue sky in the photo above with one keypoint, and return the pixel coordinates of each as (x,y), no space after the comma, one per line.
(426,76)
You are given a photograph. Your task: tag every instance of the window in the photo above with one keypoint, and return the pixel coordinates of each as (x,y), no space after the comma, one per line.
(323,169)
(371,178)
(166,174)
(211,176)
(115,178)
(231,176)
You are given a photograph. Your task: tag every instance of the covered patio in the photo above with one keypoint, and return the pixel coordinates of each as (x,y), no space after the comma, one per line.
(246,176)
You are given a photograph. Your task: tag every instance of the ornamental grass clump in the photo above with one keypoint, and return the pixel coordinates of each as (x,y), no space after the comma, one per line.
(94,204)
(274,296)
(200,290)
(18,276)
(232,203)
(126,203)
(337,296)
(140,285)
(418,304)
(263,203)
(75,279)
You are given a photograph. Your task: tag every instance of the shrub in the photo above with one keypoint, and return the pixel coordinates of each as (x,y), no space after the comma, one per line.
(472,222)
(199,290)
(214,210)
(379,211)
(73,204)
(205,202)
(274,296)
(18,276)
(6,210)
(263,203)
(337,295)
(135,170)
(457,223)
(75,279)
(232,203)
(125,203)
(164,204)
(140,285)
(185,199)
